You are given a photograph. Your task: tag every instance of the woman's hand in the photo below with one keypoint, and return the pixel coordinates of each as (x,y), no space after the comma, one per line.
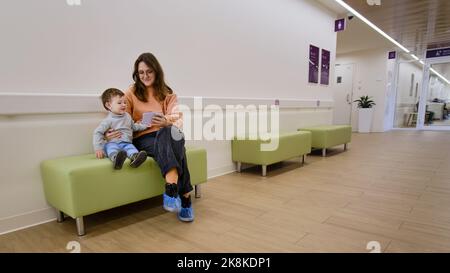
(160,121)
(99,154)
(112,134)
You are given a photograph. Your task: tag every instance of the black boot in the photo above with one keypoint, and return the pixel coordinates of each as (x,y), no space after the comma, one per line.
(137,159)
(118,159)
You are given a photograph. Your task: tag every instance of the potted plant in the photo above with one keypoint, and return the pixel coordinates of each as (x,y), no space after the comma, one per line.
(365,113)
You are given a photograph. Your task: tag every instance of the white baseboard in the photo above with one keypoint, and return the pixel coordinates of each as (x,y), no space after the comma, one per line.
(221,171)
(26,220)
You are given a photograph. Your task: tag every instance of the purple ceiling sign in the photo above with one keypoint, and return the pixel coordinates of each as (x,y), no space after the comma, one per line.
(325,67)
(392,55)
(440,52)
(339,25)
(313,64)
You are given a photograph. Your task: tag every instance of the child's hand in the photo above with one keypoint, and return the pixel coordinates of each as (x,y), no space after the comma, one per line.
(146,125)
(99,154)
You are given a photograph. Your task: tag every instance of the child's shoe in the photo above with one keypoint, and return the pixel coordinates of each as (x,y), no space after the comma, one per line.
(137,159)
(118,160)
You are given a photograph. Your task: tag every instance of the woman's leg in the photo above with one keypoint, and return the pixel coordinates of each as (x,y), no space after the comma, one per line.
(172,176)
(146,143)
(170,154)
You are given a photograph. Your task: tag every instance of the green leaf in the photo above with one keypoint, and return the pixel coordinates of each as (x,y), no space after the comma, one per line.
(365,102)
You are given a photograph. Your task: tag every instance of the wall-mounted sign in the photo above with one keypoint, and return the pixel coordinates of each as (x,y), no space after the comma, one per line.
(325,67)
(440,52)
(313,64)
(392,55)
(339,25)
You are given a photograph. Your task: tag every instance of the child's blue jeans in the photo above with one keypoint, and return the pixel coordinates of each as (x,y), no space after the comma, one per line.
(114,147)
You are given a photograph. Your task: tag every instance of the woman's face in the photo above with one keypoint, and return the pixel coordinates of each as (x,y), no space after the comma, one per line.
(146,74)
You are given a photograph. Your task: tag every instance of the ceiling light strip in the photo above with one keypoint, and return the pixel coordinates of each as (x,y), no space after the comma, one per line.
(415,57)
(377,29)
(365,20)
(439,75)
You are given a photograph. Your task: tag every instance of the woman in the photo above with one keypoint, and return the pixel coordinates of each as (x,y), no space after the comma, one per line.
(163,141)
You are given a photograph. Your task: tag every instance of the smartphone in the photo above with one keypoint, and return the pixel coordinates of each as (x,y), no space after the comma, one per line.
(147,118)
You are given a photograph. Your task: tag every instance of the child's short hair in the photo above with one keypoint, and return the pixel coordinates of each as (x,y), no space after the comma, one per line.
(110,93)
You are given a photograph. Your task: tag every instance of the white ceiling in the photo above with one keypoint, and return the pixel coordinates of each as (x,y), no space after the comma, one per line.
(416,24)
(359,36)
(333,6)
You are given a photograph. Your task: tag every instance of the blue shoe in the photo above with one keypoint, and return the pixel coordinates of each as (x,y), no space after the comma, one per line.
(171,204)
(186,214)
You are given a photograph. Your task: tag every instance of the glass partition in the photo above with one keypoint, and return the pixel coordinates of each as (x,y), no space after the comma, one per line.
(409,83)
(438,96)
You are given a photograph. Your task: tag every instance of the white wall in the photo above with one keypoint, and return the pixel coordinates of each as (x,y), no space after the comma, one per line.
(231,49)
(370,78)
(207,47)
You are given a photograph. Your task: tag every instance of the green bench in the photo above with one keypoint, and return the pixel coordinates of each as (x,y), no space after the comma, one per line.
(81,185)
(289,145)
(328,136)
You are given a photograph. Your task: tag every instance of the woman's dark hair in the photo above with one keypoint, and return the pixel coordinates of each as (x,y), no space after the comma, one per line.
(161,88)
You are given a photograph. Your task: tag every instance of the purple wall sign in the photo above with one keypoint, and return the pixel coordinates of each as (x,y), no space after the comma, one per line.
(392,55)
(313,64)
(440,52)
(339,25)
(325,67)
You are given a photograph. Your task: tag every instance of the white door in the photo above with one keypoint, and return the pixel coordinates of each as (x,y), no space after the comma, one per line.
(343,94)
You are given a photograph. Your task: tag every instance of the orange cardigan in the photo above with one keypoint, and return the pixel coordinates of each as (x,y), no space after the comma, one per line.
(169,108)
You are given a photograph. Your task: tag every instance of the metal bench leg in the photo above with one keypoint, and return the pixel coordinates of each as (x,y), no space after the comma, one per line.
(198,191)
(59,216)
(264,170)
(324,152)
(239,166)
(80,226)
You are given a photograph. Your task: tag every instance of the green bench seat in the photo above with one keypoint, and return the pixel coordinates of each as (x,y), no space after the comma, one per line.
(81,185)
(328,136)
(290,145)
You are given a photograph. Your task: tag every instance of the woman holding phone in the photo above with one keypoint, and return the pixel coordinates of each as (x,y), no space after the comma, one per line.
(163,140)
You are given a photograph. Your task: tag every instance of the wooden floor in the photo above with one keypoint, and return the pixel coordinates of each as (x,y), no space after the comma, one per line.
(393,188)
